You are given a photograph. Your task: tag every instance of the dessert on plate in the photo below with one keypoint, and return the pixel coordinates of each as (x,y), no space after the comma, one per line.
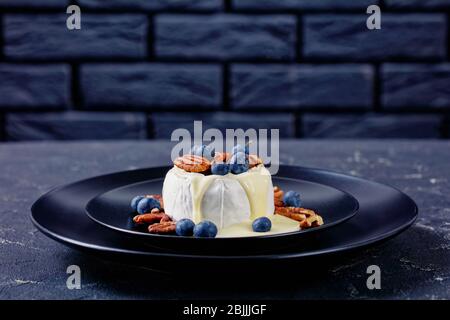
(209,194)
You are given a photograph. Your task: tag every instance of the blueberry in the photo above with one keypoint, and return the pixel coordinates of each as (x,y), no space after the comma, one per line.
(292,199)
(239,148)
(205,229)
(203,151)
(220,168)
(185,227)
(239,163)
(262,224)
(147,204)
(238,168)
(135,201)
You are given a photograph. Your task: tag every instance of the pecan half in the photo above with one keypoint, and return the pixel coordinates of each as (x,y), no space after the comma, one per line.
(193,163)
(312,221)
(222,156)
(278,197)
(163,228)
(166,218)
(291,212)
(149,218)
(254,160)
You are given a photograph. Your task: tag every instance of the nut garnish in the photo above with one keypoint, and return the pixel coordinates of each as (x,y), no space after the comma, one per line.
(163,228)
(192,163)
(307,218)
(222,156)
(278,197)
(166,218)
(312,221)
(254,160)
(149,218)
(291,212)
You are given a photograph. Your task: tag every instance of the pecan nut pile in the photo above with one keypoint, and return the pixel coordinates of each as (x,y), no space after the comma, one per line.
(158,222)
(306,217)
(192,163)
(149,218)
(167,227)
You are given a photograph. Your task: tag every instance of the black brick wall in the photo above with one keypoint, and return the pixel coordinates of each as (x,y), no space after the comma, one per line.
(139,69)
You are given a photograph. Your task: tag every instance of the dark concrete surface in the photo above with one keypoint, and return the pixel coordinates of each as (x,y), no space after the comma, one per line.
(414,265)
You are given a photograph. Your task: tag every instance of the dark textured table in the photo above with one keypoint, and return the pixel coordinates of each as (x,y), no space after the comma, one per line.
(414,265)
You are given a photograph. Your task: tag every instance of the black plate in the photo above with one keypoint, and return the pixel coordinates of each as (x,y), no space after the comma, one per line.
(383,213)
(112,209)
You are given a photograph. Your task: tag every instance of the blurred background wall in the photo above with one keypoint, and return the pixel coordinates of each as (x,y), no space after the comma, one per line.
(138,69)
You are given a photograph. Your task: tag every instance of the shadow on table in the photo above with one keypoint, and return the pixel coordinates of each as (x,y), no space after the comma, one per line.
(409,264)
